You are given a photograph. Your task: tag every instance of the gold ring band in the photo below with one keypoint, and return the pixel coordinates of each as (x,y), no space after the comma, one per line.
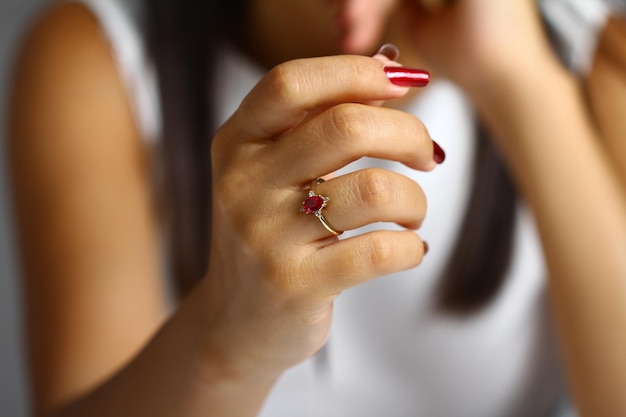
(315,203)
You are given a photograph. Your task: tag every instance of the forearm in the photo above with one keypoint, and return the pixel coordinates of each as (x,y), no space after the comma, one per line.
(565,175)
(175,376)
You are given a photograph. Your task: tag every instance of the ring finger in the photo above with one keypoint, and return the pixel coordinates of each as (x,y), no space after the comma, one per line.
(368,196)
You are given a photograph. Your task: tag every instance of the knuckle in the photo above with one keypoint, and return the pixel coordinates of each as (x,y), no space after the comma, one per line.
(419,128)
(419,137)
(284,82)
(374,188)
(344,122)
(422,135)
(284,273)
(377,253)
(419,204)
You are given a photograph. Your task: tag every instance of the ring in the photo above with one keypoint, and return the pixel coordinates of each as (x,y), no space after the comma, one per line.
(315,203)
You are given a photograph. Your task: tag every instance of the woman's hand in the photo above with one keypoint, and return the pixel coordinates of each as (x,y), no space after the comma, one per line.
(274,272)
(480,44)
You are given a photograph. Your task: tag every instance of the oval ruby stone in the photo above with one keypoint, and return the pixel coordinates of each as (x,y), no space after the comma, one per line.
(312,204)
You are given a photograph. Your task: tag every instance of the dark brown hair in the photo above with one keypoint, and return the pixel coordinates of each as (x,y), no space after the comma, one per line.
(183,38)
(482,254)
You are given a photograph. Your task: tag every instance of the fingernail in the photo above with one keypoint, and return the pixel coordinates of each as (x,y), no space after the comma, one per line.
(426,247)
(438,153)
(407,77)
(389,50)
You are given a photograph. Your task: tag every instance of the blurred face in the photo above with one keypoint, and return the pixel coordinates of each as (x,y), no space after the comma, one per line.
(300,28)
(361,23)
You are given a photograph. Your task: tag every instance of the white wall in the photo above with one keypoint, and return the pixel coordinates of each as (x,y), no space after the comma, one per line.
(14,14)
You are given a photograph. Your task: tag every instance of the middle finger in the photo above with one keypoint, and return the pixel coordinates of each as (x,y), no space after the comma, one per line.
(345,133)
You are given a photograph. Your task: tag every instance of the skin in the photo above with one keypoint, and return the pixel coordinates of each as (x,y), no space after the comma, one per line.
(91,252)
(567,171)
(279,30)
(606,89)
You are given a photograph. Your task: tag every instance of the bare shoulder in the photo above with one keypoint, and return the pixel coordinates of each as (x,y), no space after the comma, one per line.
(67,81)
(65,61)
(63,43)
(71,128)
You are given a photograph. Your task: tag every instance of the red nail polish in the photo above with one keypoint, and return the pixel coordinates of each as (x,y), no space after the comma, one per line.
(426,247)
(407,77)
(438,154)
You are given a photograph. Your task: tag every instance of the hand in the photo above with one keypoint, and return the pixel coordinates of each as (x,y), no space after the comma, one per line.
(274,272)
(480,43)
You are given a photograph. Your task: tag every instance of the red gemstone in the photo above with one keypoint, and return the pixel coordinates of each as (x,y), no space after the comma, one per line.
(312,204)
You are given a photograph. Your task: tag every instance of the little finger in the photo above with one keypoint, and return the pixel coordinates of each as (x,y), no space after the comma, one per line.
(359,259)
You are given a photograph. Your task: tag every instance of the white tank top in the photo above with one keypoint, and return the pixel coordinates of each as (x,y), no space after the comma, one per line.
(390,352)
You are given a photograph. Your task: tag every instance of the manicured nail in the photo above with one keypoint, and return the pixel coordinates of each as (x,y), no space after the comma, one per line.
(407,77)
(426,247)
(389,50)
(438,154)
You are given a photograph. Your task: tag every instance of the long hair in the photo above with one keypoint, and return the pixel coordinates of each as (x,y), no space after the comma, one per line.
(183,38)
(482,254)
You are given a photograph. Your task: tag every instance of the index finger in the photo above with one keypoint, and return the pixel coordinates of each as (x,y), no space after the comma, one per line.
(292,91)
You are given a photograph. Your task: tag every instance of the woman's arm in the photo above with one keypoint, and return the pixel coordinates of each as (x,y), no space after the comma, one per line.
(101,344)
(87,229)
(571,183)
(538,114)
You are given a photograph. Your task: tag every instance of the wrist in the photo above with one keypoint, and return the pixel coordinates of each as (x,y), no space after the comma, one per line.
(222,357)
(507,87)
(520,113)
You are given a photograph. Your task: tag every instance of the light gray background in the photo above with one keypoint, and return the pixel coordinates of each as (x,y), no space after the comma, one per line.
(14,16)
